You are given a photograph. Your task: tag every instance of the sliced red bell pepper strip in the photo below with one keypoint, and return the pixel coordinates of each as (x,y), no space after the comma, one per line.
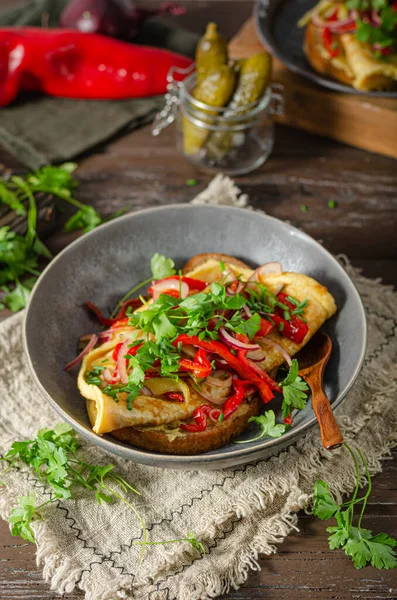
(265,329)
(273,385)
(175,396)
(232,403)
(189,366)
(131,351)
(295,329)
(242,370)
(331,46)
(111,321)
(200,416)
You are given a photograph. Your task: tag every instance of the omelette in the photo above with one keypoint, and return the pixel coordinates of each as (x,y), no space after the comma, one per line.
(200,356)
(357,46)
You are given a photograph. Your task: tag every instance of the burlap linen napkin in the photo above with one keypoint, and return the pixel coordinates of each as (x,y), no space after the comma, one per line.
(237,513)
(40,130)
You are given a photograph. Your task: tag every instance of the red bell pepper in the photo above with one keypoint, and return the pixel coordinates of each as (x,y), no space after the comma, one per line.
(71,64)
(330,44)
(119,320)
(273,385)
(265,328)
(175,396)
(189,366)
(200,416)
(131,351)
(295,329)
(242,370)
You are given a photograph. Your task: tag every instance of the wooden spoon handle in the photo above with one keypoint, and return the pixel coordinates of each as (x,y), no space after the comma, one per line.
(331,436)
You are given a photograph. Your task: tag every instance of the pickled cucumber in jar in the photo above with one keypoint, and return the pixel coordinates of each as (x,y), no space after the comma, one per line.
(216,90)
(254,78)
(211,52)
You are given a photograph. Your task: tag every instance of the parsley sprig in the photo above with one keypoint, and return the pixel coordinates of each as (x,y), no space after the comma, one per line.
(294,390)
(19,255)
(267,423)
(55,457)
(358,543)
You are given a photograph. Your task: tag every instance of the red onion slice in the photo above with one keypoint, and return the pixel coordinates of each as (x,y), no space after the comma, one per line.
(220,379)
(247,311)
(92,341)
(257,355)
(280,349)
(107,375)
(375,18)
(335,26)
(214,414)
(145,391)
(170,284)
(228,276)
(234,343)
(122,362)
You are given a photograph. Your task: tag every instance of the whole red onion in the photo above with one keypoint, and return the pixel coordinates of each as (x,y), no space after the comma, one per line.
(117,18)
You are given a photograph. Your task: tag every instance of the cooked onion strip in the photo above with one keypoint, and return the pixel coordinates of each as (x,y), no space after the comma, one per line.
(93,338)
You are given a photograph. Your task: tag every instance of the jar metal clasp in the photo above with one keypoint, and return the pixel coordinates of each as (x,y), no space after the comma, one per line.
(167,115)
(277,106)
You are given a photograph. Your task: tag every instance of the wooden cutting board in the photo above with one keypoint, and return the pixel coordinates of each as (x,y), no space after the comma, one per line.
(364,122)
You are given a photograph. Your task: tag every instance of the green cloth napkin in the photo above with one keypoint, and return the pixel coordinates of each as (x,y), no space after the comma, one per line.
(39,130)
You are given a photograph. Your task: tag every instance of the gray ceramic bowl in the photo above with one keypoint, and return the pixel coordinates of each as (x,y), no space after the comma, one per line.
(102,265)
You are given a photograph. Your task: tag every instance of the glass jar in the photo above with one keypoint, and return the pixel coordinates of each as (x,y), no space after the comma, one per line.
(234,141)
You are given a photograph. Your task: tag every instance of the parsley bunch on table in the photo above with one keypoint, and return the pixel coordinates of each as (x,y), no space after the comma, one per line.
(55,457)
(359,544)
(20,254)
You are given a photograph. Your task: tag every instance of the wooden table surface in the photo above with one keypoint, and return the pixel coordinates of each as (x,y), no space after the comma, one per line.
(136,171)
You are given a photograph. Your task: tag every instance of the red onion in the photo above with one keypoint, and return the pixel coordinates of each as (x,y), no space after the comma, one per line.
(335,26)
(220,379)
(234,343)
(92,341)
(145,391)
(256,355)
(170,284)
(107,375)
(375,18)
(279,289)
(214,414)
(228,276)
(247,311)
(269,268)
(122,362)
(119,18)
(280,349)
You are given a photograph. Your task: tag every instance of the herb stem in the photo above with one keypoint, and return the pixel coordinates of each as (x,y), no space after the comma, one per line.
(352,502)
(137,513)
(128,294)
(369,490)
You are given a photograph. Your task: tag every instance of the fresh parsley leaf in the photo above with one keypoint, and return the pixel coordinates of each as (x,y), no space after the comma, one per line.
(86,218)
(161,266)
(358,543)
(294,390)
(267,423)
(163,328)
(249,327)
(324,506)
(21,517)
(18,298)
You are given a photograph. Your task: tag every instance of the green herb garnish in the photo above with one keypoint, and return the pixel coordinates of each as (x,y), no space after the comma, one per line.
(294,390)
(55,457)
(359,544)
(19,255)
(267,423)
